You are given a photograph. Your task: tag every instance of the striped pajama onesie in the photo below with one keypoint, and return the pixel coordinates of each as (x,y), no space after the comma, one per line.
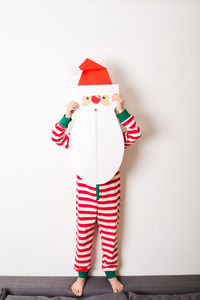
(99,203)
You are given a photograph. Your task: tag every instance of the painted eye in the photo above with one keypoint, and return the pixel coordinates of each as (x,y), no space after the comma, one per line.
(87,98)
(104,97)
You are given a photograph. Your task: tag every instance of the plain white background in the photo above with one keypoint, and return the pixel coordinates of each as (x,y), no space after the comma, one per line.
(151,49)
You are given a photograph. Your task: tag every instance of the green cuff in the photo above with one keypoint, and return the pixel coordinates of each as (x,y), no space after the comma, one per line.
(83,274)
(123,116)
(111,274)
(65,121)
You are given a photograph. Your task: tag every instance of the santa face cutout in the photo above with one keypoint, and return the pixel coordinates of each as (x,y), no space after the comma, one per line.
(96,140)
(96,102)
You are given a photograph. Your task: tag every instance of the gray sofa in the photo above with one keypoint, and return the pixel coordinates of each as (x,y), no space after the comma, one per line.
(160,287)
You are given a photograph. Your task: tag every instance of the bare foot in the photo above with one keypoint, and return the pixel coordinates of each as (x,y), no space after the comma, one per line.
(78,285)
(117,286)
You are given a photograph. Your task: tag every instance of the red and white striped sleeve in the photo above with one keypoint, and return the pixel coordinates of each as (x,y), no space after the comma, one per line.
(59,135)
(133,132)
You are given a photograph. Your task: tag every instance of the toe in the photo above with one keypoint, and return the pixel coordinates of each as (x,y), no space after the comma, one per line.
(79,293)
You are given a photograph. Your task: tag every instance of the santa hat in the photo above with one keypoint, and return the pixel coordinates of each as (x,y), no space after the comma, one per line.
(95,80)
(93,73)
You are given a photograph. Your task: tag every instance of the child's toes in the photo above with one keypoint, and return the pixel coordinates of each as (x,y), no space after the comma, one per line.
(75,292)
(80,292)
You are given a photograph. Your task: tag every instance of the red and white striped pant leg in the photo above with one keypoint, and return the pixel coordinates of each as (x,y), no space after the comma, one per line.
(86,212)
(108,219)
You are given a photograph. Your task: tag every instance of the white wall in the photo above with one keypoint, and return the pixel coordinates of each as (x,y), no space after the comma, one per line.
(151,48)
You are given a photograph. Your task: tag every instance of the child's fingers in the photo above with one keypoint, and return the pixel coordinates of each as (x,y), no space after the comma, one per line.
(75,103)
(115,96)
(120,99)
(74,107)
(119,96)
(70,105)
(116,99)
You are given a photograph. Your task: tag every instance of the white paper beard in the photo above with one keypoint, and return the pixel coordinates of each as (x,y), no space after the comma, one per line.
(96,143)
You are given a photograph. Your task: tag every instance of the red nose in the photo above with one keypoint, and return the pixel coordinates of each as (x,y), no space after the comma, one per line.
(96,99)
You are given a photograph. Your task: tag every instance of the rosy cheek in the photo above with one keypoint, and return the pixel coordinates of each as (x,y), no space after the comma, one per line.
(85,101)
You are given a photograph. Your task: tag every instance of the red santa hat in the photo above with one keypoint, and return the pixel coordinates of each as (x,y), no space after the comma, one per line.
(93,73)
(95,80)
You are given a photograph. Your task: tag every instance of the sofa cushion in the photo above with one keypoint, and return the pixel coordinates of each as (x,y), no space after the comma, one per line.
(129,295)
(191,296)
(110,296)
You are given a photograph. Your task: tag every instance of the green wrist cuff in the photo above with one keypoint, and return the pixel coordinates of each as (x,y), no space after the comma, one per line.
(65,121)
(111,274)
(83,274)
(123,116)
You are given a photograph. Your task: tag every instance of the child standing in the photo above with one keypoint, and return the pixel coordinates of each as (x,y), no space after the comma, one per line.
(99,203)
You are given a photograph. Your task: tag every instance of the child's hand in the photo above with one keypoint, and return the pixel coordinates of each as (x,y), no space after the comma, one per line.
(120,102)
(71,107)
